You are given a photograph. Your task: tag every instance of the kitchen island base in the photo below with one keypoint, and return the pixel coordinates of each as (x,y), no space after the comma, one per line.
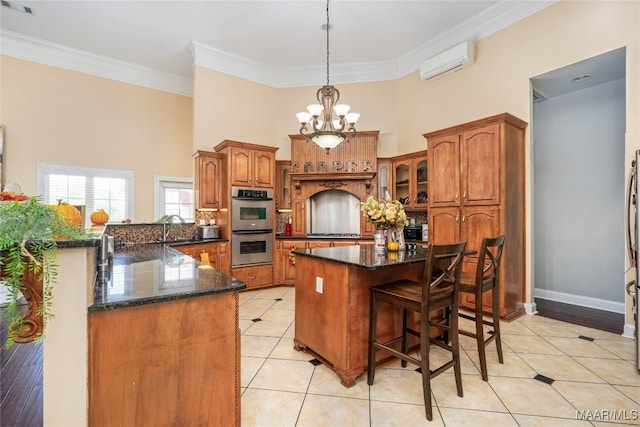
(170,363)
(332,308)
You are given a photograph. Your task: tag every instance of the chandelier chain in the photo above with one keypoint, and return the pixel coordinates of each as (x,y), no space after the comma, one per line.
(328,27)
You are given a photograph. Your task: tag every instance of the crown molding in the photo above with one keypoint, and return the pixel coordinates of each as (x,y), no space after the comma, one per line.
(45,52)
(490,21)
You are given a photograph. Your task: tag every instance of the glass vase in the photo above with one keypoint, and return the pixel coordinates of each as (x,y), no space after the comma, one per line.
(380,240)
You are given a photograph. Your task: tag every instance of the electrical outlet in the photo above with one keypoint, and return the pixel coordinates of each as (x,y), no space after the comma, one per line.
(319,285)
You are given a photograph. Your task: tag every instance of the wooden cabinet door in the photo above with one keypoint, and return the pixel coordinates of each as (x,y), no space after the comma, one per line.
(299,220)
(444,171)
(480,166)
(208,178)
(283,184)
(240,160)
(209,185)
(419,168)
(444,225)
(263,169)
(224,258)
(478,223)
(385,175)
(402,175)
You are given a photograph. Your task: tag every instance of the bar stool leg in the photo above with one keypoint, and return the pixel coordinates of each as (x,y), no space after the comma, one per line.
(480,338)
(496,323)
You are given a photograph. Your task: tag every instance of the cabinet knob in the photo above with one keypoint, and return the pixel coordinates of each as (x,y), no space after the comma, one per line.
(457,196)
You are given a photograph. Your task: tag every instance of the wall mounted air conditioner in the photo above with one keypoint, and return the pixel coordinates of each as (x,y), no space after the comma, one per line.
(456,58)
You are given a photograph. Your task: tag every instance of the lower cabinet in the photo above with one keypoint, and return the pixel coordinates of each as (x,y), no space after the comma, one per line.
(217,254)
(285,261)
(254,276)
(284,271)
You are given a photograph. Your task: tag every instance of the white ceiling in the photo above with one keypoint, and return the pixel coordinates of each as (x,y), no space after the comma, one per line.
(279,43)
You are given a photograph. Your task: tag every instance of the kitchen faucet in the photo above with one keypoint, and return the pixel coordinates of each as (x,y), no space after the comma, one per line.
(166,230)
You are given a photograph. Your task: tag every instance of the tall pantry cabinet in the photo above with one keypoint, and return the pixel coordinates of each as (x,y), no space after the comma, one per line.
(476,190)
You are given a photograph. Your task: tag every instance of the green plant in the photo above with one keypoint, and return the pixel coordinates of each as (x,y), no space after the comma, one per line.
(27,230)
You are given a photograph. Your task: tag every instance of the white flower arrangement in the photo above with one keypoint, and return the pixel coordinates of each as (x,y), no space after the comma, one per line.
(385,213)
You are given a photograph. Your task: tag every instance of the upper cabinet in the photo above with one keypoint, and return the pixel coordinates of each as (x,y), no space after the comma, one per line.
(208,179)
(384,177)
(283,184)
(410,180)
(467,168)
(249,165)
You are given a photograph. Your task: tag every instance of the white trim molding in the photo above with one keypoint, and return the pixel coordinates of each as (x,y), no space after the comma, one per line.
(45,52)
(629,331)
(599,304)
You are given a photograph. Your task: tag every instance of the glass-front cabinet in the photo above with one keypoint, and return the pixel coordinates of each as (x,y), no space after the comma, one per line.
(283,184)
(410,180)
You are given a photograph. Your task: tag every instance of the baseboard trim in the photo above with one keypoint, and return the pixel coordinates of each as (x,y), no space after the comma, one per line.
(530,308)
(629,331)
(579,300)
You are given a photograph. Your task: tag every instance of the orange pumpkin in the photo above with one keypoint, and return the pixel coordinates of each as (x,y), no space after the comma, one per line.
(69,214)
(99,217)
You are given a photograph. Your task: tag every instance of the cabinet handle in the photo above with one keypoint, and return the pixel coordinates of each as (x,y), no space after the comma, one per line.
(249,178)
(457,196)
(252,277)
(457,218)
(464,196)
(257,180)
(464,218)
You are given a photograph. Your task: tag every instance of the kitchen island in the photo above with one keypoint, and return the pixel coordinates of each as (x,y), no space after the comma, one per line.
(163,341)
(332,302)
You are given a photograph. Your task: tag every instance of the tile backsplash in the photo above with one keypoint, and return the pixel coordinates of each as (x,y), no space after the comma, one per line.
(132,234)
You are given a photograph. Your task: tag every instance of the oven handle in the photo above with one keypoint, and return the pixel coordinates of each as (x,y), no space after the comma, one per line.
(252,199)
(262,231)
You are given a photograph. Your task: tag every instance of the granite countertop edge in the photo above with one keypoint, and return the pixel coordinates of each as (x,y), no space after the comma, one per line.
(213,282)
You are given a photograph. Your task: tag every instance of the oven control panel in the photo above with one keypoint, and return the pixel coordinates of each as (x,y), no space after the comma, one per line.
(251,193)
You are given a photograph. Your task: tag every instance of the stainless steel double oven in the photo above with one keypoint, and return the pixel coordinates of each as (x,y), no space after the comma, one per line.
(252,224)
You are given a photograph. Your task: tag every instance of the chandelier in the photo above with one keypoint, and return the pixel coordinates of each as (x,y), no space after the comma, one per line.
(329,130)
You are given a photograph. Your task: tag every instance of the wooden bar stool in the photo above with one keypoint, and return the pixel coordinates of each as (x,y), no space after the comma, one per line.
(438,291)
(485,279)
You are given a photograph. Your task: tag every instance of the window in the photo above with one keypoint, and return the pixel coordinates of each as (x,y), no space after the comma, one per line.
(111,190)
(174,196)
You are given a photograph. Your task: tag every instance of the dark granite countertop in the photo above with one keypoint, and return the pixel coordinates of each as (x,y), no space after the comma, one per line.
(153,273)
(365,256)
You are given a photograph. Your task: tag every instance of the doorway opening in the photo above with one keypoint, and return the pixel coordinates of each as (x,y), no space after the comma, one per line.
(578,140)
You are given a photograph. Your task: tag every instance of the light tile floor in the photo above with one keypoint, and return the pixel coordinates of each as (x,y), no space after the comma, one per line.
(594,382)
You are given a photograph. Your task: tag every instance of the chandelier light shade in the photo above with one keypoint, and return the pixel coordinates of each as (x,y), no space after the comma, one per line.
(330,122)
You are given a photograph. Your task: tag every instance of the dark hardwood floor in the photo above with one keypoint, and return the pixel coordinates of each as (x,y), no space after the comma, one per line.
(585,316)
(20,382)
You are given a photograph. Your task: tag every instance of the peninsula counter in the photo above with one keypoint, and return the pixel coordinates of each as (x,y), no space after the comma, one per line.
(332,302)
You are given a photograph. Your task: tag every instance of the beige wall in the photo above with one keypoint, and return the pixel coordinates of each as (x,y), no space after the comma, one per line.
(61,117)
(227,107)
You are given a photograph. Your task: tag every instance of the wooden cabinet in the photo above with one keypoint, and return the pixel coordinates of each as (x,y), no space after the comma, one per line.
(285,271)
(410,180)
(476,190)
(249,165)
(182,367)
(283,185)
(254,276)
(217,252)
(208,180)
